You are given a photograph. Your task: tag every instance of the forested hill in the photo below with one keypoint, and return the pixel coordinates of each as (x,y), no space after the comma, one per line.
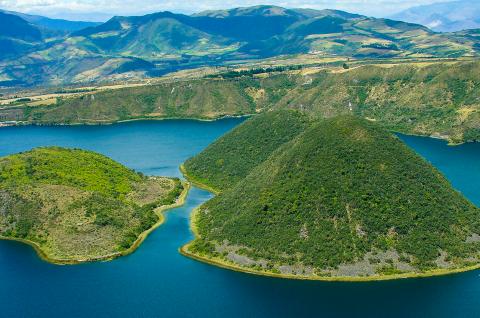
(344,198)
(232,157)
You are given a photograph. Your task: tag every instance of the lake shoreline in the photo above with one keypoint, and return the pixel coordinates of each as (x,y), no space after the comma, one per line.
(446,139)
(352,279)
(159,211)
(184,250)
(113,122)
(196,182)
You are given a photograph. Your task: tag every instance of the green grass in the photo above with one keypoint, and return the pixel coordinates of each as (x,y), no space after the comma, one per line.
(77,205)
(81,169)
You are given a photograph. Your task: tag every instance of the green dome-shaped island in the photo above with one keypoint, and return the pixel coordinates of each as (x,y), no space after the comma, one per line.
(340,199)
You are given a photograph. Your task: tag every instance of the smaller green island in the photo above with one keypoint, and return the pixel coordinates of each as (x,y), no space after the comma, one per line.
(77,206)
(332,199)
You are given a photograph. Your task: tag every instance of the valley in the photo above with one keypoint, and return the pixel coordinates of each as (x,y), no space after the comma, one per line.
(139,47)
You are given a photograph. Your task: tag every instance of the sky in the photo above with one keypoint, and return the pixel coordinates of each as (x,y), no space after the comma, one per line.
(102,10)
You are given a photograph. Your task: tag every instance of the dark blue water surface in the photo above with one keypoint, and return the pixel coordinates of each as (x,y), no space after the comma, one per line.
(156,281)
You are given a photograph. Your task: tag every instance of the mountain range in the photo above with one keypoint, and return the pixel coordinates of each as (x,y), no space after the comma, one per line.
(136,47)
(444,17)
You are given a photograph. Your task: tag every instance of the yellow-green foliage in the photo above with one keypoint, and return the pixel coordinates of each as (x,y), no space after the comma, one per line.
(76,204)
(81,169)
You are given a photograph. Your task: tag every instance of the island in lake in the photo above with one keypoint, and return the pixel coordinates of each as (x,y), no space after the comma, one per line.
(332,199)
(76,206)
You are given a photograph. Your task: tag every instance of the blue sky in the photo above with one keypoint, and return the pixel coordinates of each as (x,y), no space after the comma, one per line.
(103,9)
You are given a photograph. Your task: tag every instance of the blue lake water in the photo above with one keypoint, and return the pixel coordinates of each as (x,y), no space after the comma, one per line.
(156,281)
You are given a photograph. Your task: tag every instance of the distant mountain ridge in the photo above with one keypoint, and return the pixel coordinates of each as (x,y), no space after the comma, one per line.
(17,36)
(263,31)
(15,27)
(156,43)
(53,24)
(23,33)
(444,17)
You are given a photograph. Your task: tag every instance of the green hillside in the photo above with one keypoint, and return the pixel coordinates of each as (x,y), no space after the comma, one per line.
(343,199)
(152,36)
(440,100)
(278,31)
(437,99)
(76,205)
(17,36)
(194,99)
(163,42)
(331,33)
(232,157)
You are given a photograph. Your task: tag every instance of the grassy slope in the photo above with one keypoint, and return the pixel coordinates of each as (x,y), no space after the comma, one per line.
(366,37)
(78,205)
(195,99)
(126,48)
(278,31)
(150,37)
(437,99)
(345,198)
(232,157)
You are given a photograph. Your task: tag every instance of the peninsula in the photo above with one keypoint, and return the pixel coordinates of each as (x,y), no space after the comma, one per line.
(77,206)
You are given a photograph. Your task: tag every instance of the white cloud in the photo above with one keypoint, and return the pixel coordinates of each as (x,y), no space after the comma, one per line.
(103,8)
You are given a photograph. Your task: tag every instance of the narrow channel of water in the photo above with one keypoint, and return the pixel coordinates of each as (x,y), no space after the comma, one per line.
(156,281)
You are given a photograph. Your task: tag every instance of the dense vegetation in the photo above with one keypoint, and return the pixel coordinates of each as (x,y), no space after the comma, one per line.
(440,99)
(76,204)
(232,157)
(437,99)
(344,198)
(193,99)
(255,71)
